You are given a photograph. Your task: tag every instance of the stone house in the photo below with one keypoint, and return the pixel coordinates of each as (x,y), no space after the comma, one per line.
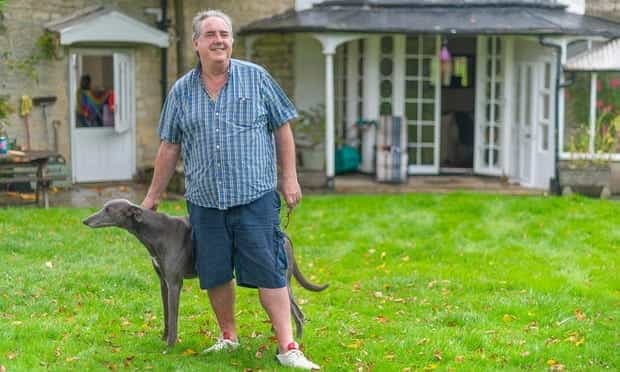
(131,59)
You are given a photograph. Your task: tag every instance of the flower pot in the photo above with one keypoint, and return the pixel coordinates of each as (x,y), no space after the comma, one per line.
(593,180)
(312,159)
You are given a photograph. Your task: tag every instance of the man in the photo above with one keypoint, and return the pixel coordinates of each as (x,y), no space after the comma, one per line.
(223,117)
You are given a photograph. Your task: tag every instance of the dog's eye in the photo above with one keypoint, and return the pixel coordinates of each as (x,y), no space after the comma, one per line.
(107,209)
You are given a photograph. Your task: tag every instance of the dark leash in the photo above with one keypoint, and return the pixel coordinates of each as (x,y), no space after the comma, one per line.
(289,213)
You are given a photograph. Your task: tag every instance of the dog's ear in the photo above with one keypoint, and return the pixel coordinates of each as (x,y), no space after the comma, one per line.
(135,212)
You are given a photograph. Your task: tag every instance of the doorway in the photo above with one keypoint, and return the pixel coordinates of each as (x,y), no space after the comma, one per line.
(102,112)
(458,104)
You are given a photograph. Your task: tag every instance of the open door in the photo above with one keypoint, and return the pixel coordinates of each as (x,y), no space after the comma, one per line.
(102,112)
(490,151)
(124,83)
(422,103)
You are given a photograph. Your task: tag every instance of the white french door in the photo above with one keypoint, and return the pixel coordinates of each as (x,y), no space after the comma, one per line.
(422,103)
(525,118)
(489,151)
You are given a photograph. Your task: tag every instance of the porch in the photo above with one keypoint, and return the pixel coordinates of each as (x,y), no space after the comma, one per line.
(360,183)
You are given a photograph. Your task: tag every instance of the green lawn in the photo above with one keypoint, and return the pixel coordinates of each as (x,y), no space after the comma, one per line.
(448,282)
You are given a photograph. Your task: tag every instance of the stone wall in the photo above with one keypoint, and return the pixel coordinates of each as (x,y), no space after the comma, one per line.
(609,9)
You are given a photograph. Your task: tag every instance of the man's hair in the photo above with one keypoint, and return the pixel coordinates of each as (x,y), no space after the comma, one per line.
(201,16)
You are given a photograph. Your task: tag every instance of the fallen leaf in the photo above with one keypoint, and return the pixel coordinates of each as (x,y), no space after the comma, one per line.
(557,367)
(17,322)
(459,359)
(525,353)
(508,318)
(11,355)
(356,287)
(383,254)
(302,301)
(356,344)
(437,355)
(407,369)
(49,265)
(389,356)
(381,319)
(57,351)
(71,359)
(551,362)
(189,352)
(430,367)
(580,315)
(406,258)
(422,341)
(116,350)
(378,294)
(127,361)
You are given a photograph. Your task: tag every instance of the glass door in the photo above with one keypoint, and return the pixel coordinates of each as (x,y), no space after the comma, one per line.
(422,95)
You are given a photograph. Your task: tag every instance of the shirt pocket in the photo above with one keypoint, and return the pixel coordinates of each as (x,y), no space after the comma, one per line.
(246,112)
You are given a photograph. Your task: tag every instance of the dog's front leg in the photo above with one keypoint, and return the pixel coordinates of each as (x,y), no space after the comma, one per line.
(164,299)
(174,292)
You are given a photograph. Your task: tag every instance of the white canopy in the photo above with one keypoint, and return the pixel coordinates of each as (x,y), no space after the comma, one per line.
(603,58)
(103,24)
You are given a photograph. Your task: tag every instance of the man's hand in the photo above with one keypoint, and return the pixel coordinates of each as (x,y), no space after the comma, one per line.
(289,187)
(150,203)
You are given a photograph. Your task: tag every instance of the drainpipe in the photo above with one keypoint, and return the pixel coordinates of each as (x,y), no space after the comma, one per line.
(554,183)
(179,28)
(163,24)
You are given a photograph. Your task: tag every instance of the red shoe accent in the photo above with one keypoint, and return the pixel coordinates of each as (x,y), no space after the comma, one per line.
(226,336)
(292,346)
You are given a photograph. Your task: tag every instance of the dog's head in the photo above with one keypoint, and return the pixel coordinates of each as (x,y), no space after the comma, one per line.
(117,212)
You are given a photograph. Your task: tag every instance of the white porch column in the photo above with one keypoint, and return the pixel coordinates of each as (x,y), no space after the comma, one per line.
(371,101)
(330,43)
(329,118)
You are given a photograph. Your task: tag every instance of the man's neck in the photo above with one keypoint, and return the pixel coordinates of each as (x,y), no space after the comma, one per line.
(215,71)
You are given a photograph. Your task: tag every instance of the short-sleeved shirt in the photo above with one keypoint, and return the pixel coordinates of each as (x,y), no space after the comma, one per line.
(227,145)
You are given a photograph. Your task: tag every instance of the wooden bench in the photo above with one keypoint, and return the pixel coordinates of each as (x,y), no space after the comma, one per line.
(29,167)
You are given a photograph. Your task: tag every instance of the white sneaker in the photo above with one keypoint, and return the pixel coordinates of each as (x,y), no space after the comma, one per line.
(222,344)
(296,359)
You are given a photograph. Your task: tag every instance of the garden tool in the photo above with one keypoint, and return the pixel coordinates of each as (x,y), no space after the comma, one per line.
(45,102)
(25,108)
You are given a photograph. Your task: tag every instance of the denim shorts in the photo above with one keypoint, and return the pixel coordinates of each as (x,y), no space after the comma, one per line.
(243,242)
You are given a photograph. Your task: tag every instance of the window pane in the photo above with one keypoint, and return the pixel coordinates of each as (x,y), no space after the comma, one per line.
(386,45)
(607,112)
(411,110)
(428,45)
(411,89)
(385,108)
(412,133)
(412,45)
(386,66)
(498,113)
(545,137)
(545,105)
(428,134)
(496,135)
(498,67)
(498,90)
(428,91)
(547,75)
(411,68)
(428,111)
(498,45)
(426,67)
(428,156)
(413,156)
(386,89)
(576,114)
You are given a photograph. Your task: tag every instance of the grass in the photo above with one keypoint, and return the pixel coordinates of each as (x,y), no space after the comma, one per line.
(417,282)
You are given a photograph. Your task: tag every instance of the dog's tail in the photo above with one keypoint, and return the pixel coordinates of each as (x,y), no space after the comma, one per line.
(301,279)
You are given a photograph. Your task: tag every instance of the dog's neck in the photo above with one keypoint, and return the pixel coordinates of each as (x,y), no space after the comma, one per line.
(148,231)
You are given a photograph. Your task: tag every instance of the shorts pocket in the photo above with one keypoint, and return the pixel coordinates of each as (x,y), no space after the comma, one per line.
(280,254)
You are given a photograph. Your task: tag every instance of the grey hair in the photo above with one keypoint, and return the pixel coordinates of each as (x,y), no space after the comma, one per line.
(202,15)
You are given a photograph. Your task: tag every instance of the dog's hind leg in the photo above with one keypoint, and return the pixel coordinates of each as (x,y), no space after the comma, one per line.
(174,292)
(296,313)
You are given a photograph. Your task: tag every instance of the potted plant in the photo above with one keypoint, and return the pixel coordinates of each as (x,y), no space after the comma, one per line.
(309,137)
(5,110)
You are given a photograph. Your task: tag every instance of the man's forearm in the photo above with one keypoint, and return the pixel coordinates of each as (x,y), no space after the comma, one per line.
(285,146)
(165,164)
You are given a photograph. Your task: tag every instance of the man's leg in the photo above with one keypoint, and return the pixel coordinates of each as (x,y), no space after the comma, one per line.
(223,303)
(277,304)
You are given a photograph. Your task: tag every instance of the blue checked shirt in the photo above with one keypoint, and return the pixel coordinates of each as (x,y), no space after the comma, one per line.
(228,145)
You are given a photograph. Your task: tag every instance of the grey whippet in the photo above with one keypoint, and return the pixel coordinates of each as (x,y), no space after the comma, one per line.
(169,242)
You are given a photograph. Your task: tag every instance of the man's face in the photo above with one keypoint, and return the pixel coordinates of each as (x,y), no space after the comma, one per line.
(215,41)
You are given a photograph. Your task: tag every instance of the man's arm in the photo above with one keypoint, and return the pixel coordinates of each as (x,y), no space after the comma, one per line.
(165,164)
(285,146)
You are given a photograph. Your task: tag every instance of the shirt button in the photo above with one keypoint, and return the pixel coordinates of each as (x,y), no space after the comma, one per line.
(217,114)
(217,147)
(217,130)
